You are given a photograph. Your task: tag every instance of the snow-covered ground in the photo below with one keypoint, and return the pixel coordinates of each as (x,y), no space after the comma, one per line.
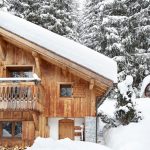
(135,136)
(65,144)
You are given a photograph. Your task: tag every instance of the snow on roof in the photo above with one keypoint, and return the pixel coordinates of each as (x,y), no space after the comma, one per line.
(59,45)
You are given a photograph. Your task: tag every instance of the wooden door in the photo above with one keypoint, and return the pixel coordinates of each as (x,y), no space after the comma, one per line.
(66,129)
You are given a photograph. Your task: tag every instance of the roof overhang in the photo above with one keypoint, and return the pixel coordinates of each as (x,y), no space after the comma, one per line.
(56,59)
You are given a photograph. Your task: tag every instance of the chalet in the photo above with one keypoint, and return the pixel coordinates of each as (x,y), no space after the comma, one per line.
(50,86)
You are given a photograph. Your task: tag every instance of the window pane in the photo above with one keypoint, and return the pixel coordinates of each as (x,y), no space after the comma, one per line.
(65,90)
(18,129)
(7,129)
(19,74)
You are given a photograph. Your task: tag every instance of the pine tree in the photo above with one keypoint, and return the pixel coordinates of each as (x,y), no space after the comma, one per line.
(135,43)
(120,29)
(102,22)
(113,22)
(57,16)
(89,25)
(4,5)
(126,112)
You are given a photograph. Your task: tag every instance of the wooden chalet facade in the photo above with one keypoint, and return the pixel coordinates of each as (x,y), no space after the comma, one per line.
(41,92)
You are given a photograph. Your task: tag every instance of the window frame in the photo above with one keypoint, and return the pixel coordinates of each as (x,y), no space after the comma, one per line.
(13,130)
(65,83)
(18,67)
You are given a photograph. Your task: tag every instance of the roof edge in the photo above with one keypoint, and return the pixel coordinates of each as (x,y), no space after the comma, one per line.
(4,32)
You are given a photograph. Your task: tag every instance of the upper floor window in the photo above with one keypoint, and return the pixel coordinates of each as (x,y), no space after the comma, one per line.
(19,71)
(65,90)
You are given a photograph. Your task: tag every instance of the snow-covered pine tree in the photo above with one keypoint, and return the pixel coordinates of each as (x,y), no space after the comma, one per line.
(114,18)
(4,5)
(101,25)
(120,29)
(126,112)
(89,25)
(136,38)
(57,16)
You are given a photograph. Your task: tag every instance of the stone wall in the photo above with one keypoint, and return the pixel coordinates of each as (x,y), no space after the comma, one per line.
(90,129)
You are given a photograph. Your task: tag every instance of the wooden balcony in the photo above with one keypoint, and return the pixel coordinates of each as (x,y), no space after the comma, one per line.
(19,96)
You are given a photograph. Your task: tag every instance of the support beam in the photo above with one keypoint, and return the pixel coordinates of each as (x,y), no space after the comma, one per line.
(37,63)
(2,63)
(36,120)
(2,49)
(64,71)
(91,84)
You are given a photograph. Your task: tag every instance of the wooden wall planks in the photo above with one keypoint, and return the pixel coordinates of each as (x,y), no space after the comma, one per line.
(81,104)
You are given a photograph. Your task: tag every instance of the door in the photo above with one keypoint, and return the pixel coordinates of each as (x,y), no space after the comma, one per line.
(66,129)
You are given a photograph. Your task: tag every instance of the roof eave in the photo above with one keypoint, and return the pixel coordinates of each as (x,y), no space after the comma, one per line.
(73,66)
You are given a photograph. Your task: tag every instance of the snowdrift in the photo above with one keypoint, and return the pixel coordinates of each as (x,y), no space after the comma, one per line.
(65,144)
(135,136)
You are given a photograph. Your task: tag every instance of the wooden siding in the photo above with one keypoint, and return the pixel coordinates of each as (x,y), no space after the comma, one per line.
(80,104)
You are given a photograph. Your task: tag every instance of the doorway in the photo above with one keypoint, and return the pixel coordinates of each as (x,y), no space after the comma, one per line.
(66,129)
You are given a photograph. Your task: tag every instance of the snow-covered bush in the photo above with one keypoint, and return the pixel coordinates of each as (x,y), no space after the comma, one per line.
(109,121)
(126,112)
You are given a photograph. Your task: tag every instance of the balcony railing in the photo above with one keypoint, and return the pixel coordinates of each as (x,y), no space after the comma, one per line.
(19,95)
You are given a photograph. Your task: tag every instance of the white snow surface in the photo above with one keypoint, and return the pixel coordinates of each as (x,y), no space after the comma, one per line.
(126,85)
(145,82)
(108,107)
(34,78)
(134,136)
(64,144)
(61,46)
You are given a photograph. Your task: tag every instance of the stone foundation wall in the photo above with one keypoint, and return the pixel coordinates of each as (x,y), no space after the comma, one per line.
(90,129)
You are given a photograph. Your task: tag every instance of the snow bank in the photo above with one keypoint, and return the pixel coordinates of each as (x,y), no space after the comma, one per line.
(65,144)
(59,45)
(108,107)
(134,136)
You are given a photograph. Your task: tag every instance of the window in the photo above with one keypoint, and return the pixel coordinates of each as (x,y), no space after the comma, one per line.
(147,91)
(7,129)
(11,129)
(19,71)
(65,90)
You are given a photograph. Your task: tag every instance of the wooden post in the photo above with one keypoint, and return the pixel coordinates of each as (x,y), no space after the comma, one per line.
(36,120)
(91,84)
(2,49)
(37,63)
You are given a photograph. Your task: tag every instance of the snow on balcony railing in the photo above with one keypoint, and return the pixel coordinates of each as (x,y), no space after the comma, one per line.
(35,78)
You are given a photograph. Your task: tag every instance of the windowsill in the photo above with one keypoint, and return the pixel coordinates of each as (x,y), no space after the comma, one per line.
(10,138)
(67,98)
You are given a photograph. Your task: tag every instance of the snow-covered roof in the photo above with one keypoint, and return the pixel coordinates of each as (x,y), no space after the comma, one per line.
(59,45)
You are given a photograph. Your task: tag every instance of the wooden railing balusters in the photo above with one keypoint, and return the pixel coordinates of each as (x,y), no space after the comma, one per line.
(18,96)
